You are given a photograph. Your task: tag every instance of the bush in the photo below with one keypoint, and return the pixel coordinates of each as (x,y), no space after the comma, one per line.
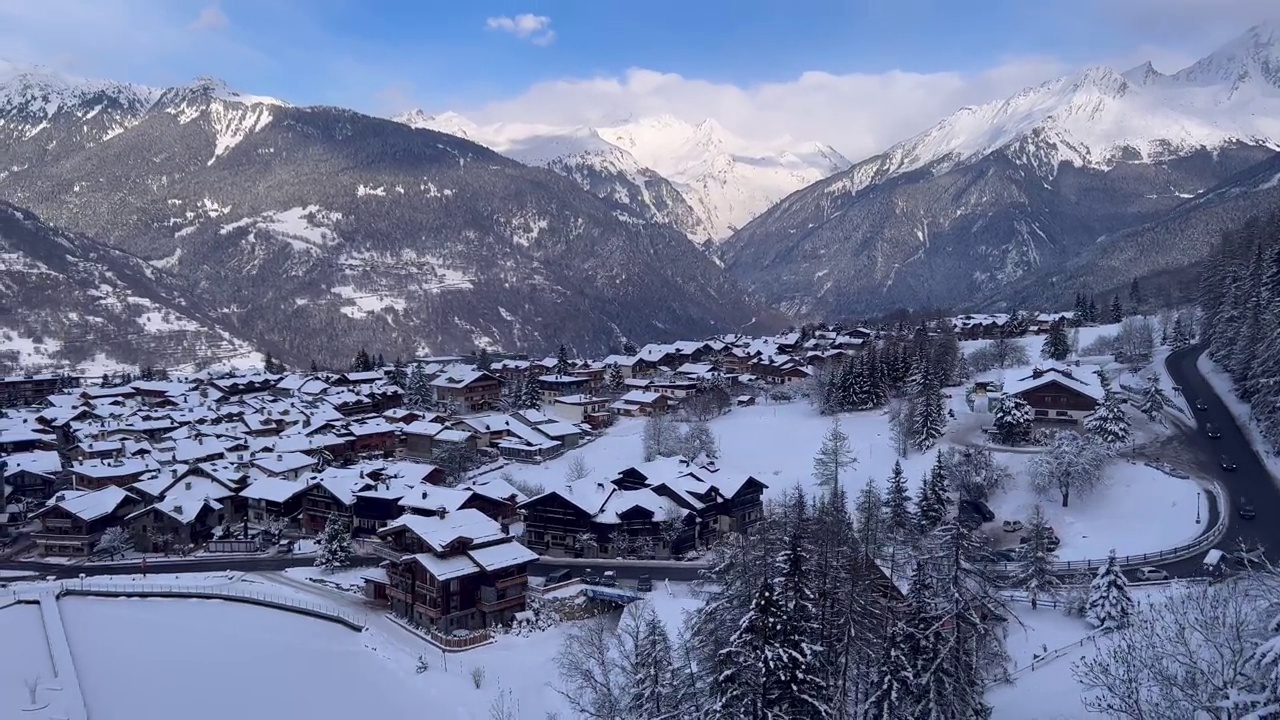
(1101,345)
(477,676)
(423,664)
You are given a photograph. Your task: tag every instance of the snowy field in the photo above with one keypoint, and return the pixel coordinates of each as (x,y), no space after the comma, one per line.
(1049,692)
(25,655)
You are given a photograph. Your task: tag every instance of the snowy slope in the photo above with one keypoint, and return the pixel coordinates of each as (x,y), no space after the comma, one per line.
(1099,117)
(725,180)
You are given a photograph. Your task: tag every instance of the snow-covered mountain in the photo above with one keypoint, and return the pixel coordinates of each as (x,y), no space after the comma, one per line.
(992,194)
(724,181)
(313,231)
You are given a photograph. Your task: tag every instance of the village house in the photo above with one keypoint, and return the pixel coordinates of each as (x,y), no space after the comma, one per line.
(374,436)
(272,498)
(639,403)
(26,438)
(120,472)
(584,409)
(74,520)
(31,475)
(25,390)
(1059,394)
(289,466)
(423,439)
(554,386)
(331,493)
(452,571)
(468,389)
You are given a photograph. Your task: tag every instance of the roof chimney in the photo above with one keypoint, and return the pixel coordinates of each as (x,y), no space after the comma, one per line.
(177,509)
(279,457)
(424,494)
(441,511)
(188,484)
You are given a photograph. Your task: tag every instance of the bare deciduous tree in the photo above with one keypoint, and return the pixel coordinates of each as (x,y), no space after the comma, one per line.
(586,666)
(577,470)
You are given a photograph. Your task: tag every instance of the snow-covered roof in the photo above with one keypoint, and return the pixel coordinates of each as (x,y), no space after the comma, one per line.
(431,497)
(640,397)
(439,532)
(447,568)
(93,505)
(281,463)
(40,462)
(460,377)
(111,468)
(1083,379)
(274,489)
(502,555)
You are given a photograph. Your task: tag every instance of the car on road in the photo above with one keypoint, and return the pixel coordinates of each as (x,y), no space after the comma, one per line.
(1200,405)
(609,578)
(1011,525)
(589,577)
(558,576)
(1051,541)
(1227,464)
(644,584)
(1245,510)
(1150,574)
(1212,430)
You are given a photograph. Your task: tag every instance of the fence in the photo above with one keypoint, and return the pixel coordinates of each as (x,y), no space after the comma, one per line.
(1161,557)
(211,592)
(446,643)
(1042,660)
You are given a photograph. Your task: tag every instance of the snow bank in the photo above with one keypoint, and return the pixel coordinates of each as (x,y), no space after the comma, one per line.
(1240,410)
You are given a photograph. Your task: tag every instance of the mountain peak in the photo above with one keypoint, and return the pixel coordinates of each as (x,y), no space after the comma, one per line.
(1253,56)
(1144,74)
(206,88)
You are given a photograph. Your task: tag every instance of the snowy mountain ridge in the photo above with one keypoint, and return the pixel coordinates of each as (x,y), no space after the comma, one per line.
(1098,117)
(726,180)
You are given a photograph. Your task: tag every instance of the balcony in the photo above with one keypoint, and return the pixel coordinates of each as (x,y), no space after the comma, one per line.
(394,593)
(421,589)
(511,581)
(386,552)
(433,613)
(500,603)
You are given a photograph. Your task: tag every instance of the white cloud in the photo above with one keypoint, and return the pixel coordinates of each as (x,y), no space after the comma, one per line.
(211,18)
(859,114)
(534,28)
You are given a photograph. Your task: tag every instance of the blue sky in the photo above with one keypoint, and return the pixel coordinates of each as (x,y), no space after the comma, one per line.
(876,66)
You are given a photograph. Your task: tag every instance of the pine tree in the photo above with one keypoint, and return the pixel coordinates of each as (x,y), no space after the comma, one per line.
(418,394)
(1093,311)
(530,397)
(868,511)
(833,456)
(929,420)
(898,518)
(933,503)
(334,545)
(1116,310)
(484,360)
(1013,420)
(1154,400)
(562,361)
(792,662)
(362,362)
(615,384)
(1135,296)
(1110,423)
(313,369)
(1036,576)
(1109,606)
(647,663)
(1057,346)
(742,687)
(1179,339)
(894,680)
(629,348)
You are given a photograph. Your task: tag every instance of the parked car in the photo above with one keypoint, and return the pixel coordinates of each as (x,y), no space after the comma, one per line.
(1051,542)
(644,584)
(609,578)
(1213,565)
(558,576)
(1200,405)
(1150,574)
(1011,525)
(1212,430)
(589,577)
(979,509)
(1227,464)
(1245,510)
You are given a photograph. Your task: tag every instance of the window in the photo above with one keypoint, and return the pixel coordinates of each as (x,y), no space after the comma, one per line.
(1042,413)
(453,586)
(1063,413)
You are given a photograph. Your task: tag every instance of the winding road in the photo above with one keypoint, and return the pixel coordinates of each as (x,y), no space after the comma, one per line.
(1249,480)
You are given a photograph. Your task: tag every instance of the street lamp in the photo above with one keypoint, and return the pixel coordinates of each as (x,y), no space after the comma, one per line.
(1198,494)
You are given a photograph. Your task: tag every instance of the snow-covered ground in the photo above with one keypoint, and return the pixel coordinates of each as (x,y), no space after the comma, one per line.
(1049,692)
(25,656)
(1240,410)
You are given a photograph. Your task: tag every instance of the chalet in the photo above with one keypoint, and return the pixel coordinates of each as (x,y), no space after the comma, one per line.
(374,436)
(331,493)
(348,403)
(780,369)
(487,430)
(268,498)
(453,571)
(468,389)
(120,472)
(626,365)
(554,386)
(638,403)
(24,438)
(1058,393)
(31,475)
(424,439)
(75,519)
(526,443)
(584,409)
(975,327)
(245,385)
(674,388)
(290,466)
(185,514)
(658,509)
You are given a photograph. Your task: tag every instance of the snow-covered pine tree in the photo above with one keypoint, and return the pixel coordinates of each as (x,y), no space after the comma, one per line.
(1080,314)
(629,348)
(741,686)
(530,393)
(934,503)
(334,545)
(877,380)
(1109,606)
(645,657)
(929,420)
(1057,346)
(1109,424)
(417,392)
(1265,667)
(834,456)
(1036,574)
(1013,420)
(614,382)
(835,553)
(898,518)
(1154,400)
(1179,339)
(1117,310)
(562,361)
(1135,295)
(1093,316)
(792,662)
(894,678)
